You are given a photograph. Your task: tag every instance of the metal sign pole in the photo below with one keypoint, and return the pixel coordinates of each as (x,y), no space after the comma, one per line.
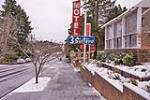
(85,21)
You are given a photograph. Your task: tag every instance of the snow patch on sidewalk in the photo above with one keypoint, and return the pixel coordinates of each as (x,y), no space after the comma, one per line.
(76,69)
(31,86)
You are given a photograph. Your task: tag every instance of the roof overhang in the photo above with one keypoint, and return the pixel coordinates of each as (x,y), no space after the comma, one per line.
(143,3)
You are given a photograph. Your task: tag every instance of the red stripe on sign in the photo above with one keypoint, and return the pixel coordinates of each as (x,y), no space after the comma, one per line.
(88,29)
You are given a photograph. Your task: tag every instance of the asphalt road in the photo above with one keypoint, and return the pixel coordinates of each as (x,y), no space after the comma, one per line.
(13,76)
(65,84)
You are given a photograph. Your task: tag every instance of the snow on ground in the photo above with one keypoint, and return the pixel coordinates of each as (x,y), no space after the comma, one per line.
(145,85)
(31,86)
(106,74)
(76,69)
(116,79)
(138,90)
(137,70)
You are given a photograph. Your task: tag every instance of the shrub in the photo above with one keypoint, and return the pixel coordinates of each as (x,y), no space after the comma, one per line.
(110,57)
(9,58)
(116,76)
(118,58)
(129,59)
(133,81)
(99,55)
(148,88)
(103,57)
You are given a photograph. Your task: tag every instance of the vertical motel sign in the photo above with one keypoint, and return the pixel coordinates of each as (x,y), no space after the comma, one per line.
(76,18)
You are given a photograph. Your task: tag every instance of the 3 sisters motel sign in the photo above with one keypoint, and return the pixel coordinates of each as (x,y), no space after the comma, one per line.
(76,37)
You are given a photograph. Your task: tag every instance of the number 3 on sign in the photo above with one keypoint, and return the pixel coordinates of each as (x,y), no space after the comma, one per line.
(71,40)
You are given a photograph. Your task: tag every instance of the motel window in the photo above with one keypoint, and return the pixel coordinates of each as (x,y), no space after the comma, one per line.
(118,42)
(131,23)
(130,40)
(109,32)
(109,44)
(118,35)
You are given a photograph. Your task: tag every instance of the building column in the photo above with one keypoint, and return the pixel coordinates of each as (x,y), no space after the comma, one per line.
(113,33)
(139,26)
(123,32)
(106,37)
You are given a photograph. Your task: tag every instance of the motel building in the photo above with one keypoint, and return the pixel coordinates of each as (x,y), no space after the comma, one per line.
(130,32)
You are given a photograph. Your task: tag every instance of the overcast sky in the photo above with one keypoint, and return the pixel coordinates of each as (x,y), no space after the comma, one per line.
(51,18)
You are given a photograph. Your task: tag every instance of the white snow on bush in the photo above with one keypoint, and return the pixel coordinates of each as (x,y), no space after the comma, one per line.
(31,86)
(145,85)
(21,61)
(28,60)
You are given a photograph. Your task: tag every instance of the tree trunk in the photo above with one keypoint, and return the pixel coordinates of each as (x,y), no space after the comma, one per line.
(36,74)
(36,79)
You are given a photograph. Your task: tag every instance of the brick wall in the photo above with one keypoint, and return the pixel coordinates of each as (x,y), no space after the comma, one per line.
(129,94)
(146,22)
(110,92)
(87,75)
(83,73)
(106,89)
(146,41)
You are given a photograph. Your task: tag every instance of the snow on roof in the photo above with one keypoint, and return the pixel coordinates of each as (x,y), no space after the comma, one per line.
(143,3)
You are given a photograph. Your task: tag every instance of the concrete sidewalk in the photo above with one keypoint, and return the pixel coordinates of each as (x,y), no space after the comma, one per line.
(65,84)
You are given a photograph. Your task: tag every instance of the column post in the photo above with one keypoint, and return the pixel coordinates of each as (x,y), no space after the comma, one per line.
(139,26)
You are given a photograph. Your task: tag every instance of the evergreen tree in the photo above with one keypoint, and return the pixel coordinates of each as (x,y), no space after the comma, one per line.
(9,7)
(116,11)
(22,20)
(102,11)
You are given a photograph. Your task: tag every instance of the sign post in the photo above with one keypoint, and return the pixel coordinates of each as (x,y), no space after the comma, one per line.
(85,21)
(88,31)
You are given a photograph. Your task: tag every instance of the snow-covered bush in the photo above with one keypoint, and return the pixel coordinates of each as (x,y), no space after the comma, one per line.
(118,58)
(116,76)
(129,59)
(103,57)
(99,55)
(20,61)
(133,81)
(28,60)
(148,88)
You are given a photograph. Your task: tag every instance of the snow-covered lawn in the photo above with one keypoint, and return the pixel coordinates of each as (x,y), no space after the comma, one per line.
(32,87)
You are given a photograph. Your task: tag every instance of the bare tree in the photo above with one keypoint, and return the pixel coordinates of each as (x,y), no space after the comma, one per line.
(42,53)
(39,53)
(7,25)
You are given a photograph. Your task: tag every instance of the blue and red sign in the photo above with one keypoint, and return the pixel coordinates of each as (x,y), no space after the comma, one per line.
(81,40)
